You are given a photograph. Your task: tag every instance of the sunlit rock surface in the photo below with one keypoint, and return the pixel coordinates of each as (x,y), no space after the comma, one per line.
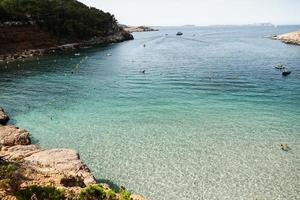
(289,38)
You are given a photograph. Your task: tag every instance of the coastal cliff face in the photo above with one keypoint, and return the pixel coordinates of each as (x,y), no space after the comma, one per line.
(20,42)
(289,38)
(34,168)
(14,39)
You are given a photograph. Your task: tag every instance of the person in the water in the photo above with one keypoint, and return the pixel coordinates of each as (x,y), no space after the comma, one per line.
(285,147)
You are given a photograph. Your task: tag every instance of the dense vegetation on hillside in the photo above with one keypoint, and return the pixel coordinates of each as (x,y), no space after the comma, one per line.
(67,19)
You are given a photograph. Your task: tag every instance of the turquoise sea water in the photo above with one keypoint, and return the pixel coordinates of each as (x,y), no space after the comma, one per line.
(205,121)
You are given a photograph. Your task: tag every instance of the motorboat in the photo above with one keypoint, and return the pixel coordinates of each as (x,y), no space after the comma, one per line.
(286,73)
(281,67)
(179,33)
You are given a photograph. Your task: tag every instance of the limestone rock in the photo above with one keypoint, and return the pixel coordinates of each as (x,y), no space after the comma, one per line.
(139,29)
(11,135)
(72,181)
(136,197)
(3,117)
(18,152)
(289,38)
(65,161)
(5,196)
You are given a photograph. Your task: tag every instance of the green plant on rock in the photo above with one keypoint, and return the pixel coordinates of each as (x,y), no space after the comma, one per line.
(9,176)
(40,193)
(111,195)
(97,192)
(92,192)
(124,195)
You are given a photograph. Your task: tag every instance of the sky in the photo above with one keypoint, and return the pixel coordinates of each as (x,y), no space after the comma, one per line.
(200,12)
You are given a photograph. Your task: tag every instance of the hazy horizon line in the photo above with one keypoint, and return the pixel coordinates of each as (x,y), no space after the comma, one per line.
(195,25)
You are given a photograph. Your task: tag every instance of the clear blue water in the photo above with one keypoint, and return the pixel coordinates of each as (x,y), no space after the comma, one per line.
(205,122)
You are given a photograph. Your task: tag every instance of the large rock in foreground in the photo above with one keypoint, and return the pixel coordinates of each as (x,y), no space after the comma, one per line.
(60,161)
(62,167)
(289,38)
(3,117)
(11,136)
(18,152)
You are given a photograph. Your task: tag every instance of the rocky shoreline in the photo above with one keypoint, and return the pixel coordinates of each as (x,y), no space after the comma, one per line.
(53,46)
(61,168)
(132,29)
(289,38)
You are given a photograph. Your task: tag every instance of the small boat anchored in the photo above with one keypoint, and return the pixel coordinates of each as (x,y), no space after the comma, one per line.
(179,33)
(281,67)
(286,72)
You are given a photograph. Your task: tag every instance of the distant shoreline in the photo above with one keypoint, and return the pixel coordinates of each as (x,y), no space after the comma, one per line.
(132,29)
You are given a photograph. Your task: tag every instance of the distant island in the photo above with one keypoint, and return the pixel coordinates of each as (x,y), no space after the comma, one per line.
(33,27)
(132,29)
(189,26)
(289,38)
(268,24)
(265,24)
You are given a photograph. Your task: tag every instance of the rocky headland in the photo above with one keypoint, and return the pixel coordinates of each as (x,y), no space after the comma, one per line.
(27,41)
(26,169)
(32,28)
(132,29)
(289,38)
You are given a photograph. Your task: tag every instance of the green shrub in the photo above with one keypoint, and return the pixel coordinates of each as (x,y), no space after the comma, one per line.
(8,176)
(93,192)
(124,195)
(97,192)
(40,193)
(68,19)
(111,195)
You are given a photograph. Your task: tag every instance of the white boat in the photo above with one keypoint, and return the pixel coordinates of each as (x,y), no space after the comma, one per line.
(281,67)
